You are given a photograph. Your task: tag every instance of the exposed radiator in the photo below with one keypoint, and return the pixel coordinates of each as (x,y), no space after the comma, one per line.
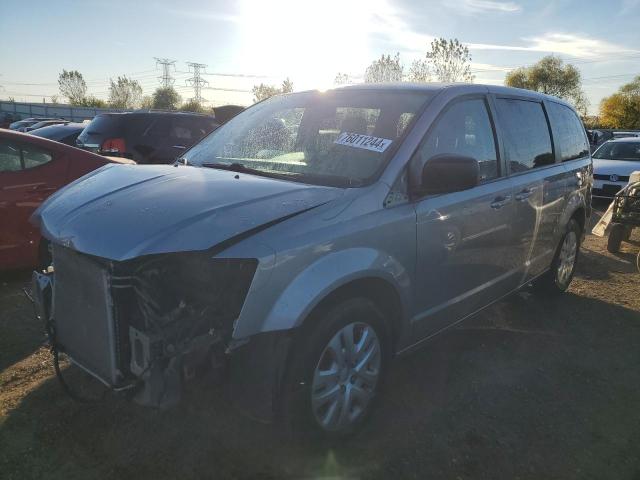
(83,314)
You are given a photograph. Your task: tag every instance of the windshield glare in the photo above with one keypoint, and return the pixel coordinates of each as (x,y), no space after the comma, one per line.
(339,138)
(619,151)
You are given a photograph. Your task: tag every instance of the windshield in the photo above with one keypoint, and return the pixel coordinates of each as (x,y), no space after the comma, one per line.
(619,151)
(339,138)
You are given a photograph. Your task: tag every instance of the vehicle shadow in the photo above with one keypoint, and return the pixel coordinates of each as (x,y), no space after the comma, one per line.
(21,333)
(530,387)
(597,266)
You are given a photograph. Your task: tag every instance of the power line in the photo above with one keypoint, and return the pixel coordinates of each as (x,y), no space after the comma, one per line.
(197,82)
(166,80)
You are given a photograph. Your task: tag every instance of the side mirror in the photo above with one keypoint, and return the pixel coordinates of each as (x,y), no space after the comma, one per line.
(447,173)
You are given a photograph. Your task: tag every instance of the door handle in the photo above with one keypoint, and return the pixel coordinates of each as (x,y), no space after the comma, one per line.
(523,195)
(500,201)
(179,147)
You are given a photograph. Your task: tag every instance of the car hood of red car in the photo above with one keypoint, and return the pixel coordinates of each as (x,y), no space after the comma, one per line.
(121,212)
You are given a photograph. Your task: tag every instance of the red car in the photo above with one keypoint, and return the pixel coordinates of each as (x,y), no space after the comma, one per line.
(31,169)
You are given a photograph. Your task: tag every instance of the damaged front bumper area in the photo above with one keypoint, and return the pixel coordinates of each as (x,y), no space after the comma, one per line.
(146,324)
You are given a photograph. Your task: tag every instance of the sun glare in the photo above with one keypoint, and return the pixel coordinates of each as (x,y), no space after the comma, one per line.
(308,41)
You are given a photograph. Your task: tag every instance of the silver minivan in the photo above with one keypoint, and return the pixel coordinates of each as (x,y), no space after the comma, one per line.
(315,236)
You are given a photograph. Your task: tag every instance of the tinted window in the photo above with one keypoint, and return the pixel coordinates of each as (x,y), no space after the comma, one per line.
(619,151)
(568,132)
(151,126)
(525,131)
(190,129)
(464,129)
(106,124)
(15,157)
(9,157)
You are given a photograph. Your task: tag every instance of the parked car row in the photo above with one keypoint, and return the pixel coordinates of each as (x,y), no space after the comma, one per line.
(308,240)
(30,124)
(31,169)
(145,137)
(34,166)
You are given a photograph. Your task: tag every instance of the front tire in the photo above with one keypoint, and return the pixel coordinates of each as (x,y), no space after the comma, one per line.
(563,266)
(337,370)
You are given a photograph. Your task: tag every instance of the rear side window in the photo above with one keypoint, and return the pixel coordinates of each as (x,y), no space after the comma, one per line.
(9,157)
(464,129)
(568,132)
(525,131)
(150,126)
(14,157)
(105,124)
(34,156)
(190,129)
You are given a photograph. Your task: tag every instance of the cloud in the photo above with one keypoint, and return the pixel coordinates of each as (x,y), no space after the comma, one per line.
(563,44)
(483,6)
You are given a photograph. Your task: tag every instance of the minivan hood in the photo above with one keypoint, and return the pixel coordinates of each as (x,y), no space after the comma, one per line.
(604,166)
(125,211)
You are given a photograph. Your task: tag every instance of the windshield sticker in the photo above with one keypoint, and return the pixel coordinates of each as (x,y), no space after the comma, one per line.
(366,142)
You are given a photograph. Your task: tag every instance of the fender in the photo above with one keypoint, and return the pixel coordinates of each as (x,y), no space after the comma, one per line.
(329,273)
(578,199)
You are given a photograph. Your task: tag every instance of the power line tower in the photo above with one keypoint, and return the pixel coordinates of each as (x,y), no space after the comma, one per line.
(166,80)
(196,81)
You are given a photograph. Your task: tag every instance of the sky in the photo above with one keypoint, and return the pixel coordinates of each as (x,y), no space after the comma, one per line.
(246,42)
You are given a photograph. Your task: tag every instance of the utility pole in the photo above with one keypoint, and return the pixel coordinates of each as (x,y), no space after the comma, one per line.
(196,81)
(166,80)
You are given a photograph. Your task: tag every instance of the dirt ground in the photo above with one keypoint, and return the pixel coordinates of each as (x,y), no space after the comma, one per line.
(531,388)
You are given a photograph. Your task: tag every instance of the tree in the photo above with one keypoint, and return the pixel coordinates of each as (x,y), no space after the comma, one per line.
(622,109)
(287,86)
(166,98)
(92,102)
(54,99)
(551,76)
(192,105)
(448,61)
(264,91)
(72,86)
(419,72)
(147,102)
(385,69)
(125,93)
(341,79)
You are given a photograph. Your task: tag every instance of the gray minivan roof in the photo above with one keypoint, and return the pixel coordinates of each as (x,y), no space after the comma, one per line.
(434,87)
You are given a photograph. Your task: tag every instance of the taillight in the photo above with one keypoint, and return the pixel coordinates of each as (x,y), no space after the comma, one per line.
(113,145)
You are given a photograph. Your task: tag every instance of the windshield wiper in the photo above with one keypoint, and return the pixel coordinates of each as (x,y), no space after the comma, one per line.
(241,168)
(232,167)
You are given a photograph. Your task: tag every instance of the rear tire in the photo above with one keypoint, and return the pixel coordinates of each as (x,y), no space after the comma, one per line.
(616,235)
(336,370)
(563,266)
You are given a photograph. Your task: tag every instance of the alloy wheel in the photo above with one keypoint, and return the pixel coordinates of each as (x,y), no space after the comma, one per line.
(567,258)
(345,378)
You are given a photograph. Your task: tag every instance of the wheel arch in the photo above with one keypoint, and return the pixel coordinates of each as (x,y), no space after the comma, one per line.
(377,290)
(364,272)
